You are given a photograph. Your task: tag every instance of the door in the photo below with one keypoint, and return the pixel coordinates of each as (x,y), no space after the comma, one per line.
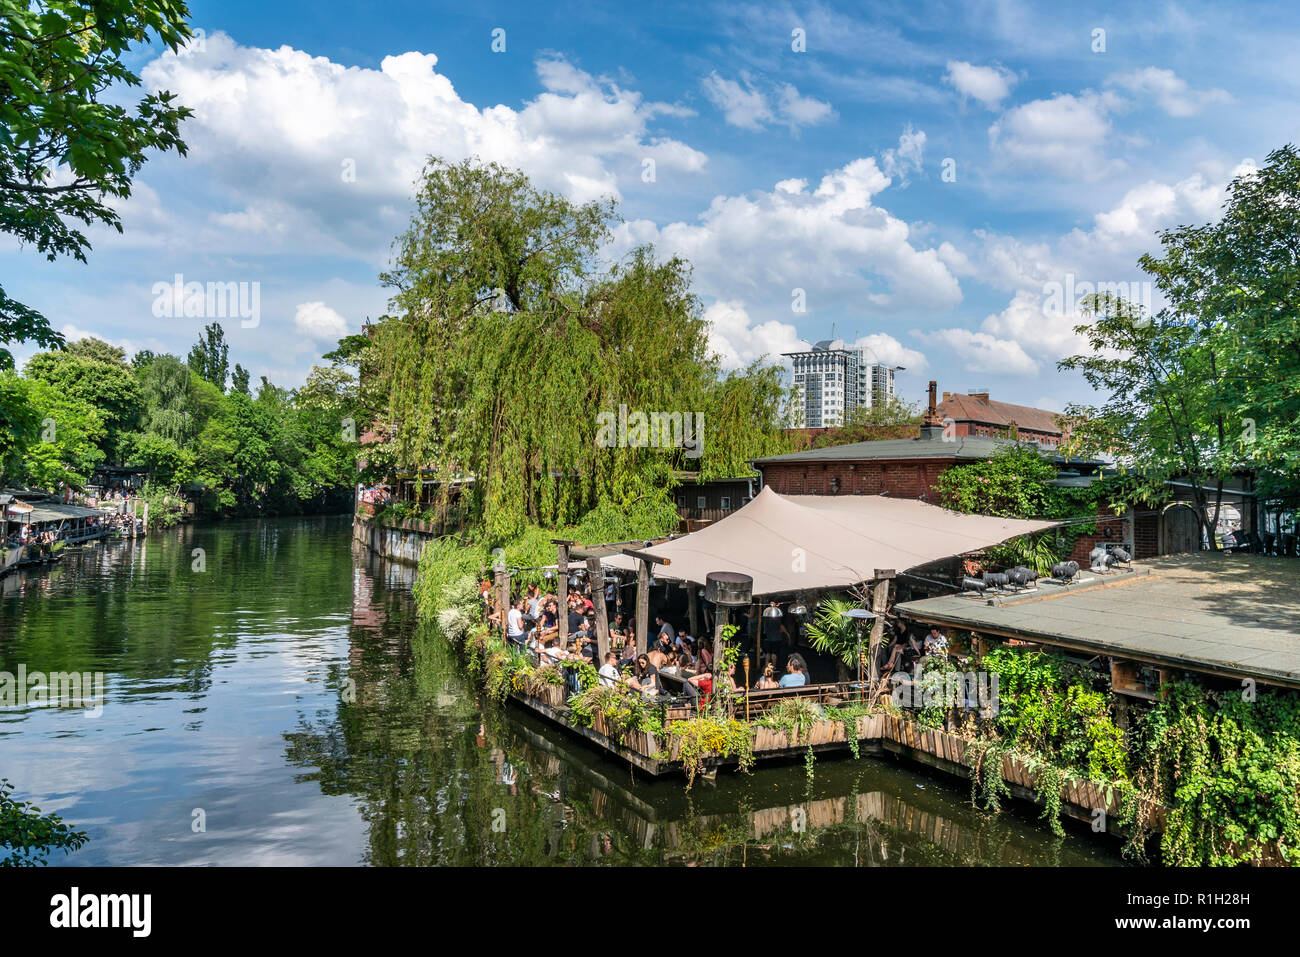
(1180,531)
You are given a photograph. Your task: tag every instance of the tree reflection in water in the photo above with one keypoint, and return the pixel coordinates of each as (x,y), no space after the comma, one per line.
(444,777)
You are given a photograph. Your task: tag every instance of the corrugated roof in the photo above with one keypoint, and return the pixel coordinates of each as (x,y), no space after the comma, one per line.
(1229,614)
(57,511)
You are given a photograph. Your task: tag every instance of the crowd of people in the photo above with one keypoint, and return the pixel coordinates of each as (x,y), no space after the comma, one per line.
(532,623)
(675,663)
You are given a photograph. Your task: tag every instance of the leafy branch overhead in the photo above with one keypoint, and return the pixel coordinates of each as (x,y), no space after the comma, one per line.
(67,150)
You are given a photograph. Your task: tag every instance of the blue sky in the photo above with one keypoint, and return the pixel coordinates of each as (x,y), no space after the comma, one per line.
(775,170)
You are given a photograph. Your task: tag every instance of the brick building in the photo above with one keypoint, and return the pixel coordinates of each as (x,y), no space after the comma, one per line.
(980,416)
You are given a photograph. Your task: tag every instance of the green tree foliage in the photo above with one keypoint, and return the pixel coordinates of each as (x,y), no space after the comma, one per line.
(27,836)
(69,440)
(67,149)
(1012,483)
(96,375)
(1211,382)
(281,451)
(209,358)
(510,340)
(887,417)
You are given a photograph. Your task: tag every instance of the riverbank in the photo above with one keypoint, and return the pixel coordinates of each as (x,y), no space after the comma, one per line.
(292,694)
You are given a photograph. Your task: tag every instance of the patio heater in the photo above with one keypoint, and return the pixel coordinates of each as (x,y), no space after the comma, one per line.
(727,590)
(859,616)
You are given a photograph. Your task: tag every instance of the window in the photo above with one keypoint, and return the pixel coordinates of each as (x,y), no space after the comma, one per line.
(702,502)
(681,501)
(726,503)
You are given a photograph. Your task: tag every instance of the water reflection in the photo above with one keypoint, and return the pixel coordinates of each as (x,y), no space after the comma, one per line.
(291,694)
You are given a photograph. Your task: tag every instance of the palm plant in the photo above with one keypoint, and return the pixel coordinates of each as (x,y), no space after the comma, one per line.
(833,634)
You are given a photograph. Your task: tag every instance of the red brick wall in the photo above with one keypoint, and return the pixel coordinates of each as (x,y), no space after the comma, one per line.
(901,478)
(1118,535)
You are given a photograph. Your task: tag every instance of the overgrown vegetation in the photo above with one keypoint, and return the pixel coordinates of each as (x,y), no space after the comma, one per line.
(1228,771)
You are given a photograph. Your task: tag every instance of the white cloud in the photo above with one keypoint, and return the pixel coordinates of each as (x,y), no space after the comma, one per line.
(744,105)
(983,353)
(1171,92)
(737,340)
(301,149)
(907,157)
(988,84)
(889,351)
(1065,134)
(831,241)
(318,321)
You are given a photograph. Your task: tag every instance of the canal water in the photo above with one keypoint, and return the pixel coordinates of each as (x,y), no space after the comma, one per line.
(270,698)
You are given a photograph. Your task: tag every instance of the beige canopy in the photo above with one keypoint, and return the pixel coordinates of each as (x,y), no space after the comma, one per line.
(792,543)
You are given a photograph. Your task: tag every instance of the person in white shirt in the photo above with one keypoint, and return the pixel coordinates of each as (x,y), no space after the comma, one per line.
(935,642)
(515,623)
(609,675)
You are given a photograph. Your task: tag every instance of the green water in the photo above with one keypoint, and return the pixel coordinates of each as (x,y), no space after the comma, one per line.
(285,699)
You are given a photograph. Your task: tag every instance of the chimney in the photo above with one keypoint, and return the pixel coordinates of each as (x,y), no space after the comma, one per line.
(980,397)
(931,426)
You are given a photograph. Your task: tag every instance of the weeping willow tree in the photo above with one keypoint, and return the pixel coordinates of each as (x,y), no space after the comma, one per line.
(511,337)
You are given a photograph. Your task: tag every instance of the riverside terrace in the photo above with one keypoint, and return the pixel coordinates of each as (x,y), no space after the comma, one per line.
(1230,616)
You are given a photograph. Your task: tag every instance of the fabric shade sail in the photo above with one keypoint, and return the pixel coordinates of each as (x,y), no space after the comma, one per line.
(791,543)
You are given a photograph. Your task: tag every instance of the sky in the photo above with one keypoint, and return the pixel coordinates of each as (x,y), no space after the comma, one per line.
(938,182)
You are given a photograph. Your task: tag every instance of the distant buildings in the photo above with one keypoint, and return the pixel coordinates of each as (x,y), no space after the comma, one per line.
(980,416)
(830,380)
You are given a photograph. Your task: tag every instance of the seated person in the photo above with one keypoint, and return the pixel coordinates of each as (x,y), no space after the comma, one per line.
(935,642)
(645,677)
(767,680)
(794,676)
(704,681)
(609,674)
(669,667)
(657,657)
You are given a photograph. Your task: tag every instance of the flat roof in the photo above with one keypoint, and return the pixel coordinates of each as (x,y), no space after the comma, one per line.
(57,512)
(960,447)
(1232,615)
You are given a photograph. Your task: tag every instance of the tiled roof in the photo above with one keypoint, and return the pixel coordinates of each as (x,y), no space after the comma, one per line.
(967,408)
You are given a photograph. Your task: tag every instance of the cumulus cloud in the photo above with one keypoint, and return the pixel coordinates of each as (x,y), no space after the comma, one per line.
(1049,279)
(318,321)
(738,340)
(831,241)
(983,353)
(1170,92)
(1065,134)
(745,105)
(988,84)
(304,149)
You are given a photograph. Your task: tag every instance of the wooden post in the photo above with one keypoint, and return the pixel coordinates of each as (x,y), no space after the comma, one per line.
(642,605)
(879,603)
(562,591)
(723,616)
(596,575)
(693,607)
